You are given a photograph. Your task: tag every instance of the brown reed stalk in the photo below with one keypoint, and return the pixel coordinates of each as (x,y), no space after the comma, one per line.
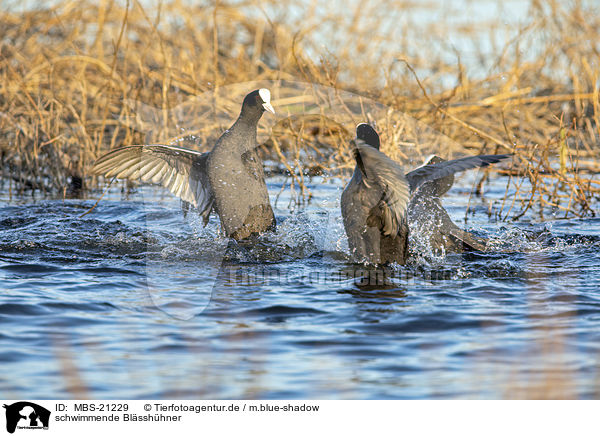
(79,78)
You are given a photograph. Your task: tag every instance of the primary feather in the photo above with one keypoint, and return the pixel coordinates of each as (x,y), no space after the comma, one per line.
(181,171)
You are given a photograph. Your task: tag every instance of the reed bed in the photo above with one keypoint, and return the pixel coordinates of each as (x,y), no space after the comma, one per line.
(79,78)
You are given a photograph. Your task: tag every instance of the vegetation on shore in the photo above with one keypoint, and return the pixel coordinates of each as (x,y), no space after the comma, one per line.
(79,78)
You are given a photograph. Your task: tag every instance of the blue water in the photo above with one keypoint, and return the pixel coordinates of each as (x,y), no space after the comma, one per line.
(134,300)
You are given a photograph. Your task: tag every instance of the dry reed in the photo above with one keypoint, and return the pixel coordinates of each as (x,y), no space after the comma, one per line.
(82,77)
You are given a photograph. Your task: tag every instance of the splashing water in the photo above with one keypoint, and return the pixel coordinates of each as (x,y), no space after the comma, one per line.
(144,302)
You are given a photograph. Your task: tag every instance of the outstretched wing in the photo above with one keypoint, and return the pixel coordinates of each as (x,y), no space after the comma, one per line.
(181,171)
(426,173)
(376,168)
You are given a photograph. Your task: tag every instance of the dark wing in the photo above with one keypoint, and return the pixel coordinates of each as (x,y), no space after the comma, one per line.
(438,187)
(443,169)
(378,169)
(181,171)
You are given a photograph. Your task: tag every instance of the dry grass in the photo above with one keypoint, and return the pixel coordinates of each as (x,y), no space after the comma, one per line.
(82,77)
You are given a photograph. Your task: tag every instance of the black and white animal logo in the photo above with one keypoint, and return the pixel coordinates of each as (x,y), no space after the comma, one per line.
(26,415)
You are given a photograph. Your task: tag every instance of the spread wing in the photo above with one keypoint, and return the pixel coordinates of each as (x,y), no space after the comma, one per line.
(426,173)
(181,171)
(376,168)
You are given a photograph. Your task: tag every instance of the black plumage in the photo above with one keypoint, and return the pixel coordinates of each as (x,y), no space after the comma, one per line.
(229,179)
(376,201)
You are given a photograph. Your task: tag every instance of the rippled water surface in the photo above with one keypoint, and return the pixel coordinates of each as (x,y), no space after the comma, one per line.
(134,300)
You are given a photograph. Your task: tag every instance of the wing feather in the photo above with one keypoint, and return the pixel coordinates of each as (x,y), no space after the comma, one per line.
(379,169)
(436,171)
(181,171)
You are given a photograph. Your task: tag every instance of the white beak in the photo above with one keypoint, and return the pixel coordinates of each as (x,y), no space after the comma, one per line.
(269,108)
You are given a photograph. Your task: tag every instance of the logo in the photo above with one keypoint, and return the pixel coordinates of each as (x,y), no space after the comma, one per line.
(26,415)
